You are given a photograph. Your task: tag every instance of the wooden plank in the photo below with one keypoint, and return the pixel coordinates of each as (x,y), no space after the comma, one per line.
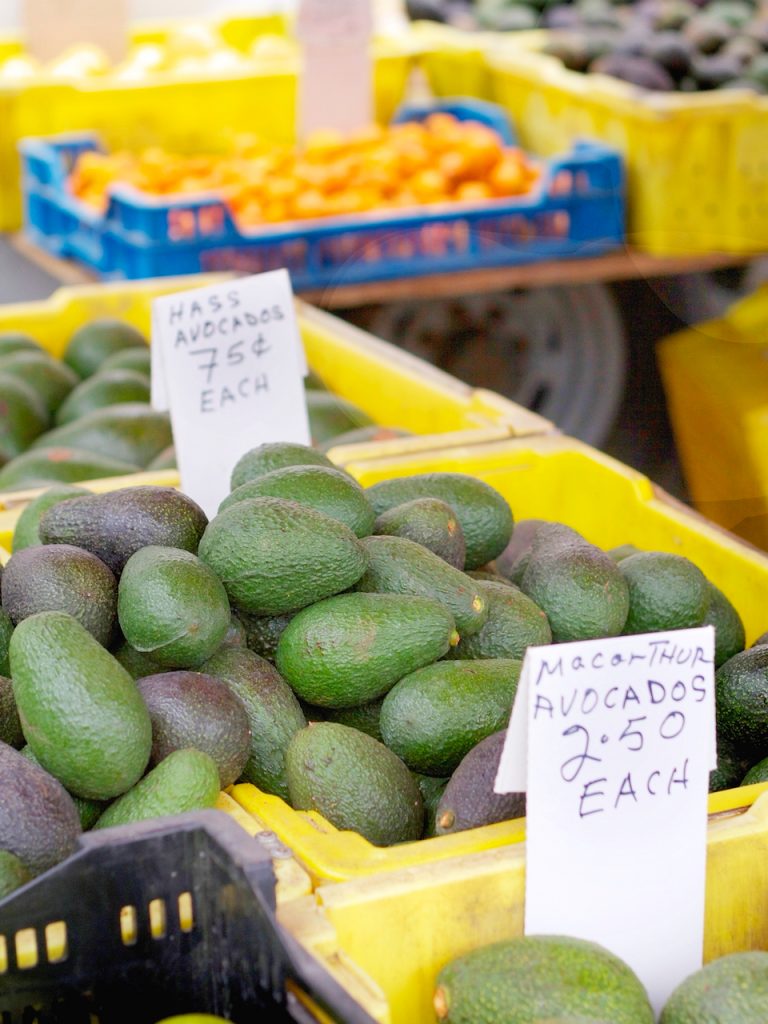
(618,266)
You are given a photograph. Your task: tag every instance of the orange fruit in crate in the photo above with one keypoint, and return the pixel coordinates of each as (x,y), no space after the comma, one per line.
(481,149)
(452,165)
(439,160)
(508,176)
(474,192)
(310,202)
(429,185)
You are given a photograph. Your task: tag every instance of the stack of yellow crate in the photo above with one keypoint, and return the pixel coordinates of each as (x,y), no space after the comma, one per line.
(716,381)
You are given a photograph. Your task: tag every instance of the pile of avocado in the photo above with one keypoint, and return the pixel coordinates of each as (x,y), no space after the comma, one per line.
(663,45)
(88,416)
(550,979)
(490,15)
(667,45)
(353,651)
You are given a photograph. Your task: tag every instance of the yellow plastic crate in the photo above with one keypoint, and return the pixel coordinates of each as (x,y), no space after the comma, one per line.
(697,179)
(547,478)
(238,31)
(189,113)
(399,930)
(454,62)
(716,382)
(409,393)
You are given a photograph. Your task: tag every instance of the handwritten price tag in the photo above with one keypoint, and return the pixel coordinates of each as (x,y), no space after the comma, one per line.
(613,740)
(51,27)
(334,21)
(336,84)
(228,362)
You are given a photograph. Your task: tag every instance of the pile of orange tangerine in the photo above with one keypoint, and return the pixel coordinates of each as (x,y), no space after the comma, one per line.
(438,160)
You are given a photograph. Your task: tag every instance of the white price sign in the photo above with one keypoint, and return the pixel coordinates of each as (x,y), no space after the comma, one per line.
(52,26)
(334,21)
(228,362)
(336,84)
(613,740)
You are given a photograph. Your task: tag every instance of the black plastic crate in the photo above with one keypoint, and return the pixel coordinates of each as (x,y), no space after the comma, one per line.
(155,919)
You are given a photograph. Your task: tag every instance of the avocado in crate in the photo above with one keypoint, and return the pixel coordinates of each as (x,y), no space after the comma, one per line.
(89,415)
(415,407)
(335,669)
(139,923)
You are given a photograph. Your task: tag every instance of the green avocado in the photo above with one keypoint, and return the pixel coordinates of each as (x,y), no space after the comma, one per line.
(433,717)
(355,782)
(513,560)
(469,800)
(351,649)
(41,467)
(187,780)
(400,566)
(88,810)
(137,359)
(483,514)
(23,417)
(275,556)
(365,717)
(730,637)
(172,606)
(108,387)
(13,873)
(741,702)
(131,432)
(536,978)
(729,990)
(6,631)
(329,491)
(580,589)
(730,769)
(15,341)
(665,592)
(116,524)
(27,532)
(81,712)
(137,663)
(50,379)
(10,725)
(61,578)
(757,773)
(514,623)
(278,455)
(262,632)
(194,710)
(432,790)
(39,823)
(95,342)
(429,522)
(274,714)
(330,415)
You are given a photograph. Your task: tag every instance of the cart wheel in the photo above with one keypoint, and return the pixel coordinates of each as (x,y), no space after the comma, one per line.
(708,295)
(561,352)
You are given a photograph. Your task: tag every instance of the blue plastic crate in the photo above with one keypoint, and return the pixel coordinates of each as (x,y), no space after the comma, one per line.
(576,211)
